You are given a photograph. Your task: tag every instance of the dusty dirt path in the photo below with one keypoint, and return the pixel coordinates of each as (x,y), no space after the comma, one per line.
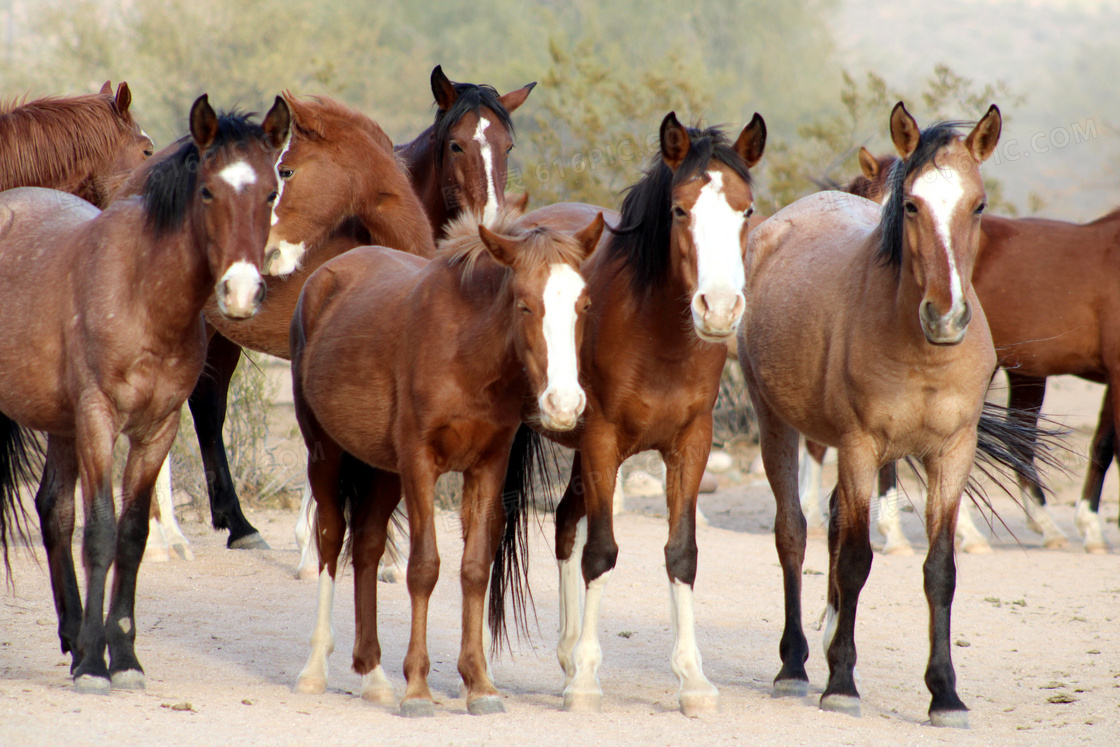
(223,638)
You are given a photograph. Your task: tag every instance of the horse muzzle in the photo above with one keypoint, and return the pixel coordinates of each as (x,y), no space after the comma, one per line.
(944,329)
(241,291)
(560,410)
(716,315)
(282,258)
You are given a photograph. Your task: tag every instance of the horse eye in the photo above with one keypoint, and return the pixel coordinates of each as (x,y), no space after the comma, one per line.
(272,196)
(456,148)
(285,174)
(980,208)
(679,212)
(509,150)
(524,309)
(748,212)
(911,208)
(148,153)
(207,195)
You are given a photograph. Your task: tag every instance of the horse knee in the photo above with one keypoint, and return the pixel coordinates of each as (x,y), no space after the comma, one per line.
(598,558)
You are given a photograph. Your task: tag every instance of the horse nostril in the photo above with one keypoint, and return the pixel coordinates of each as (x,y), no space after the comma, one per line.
(704,304)
(965,316)
(552,401)
(258,299)
(929,312)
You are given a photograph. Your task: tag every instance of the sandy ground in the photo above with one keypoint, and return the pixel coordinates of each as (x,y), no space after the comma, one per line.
(223,638)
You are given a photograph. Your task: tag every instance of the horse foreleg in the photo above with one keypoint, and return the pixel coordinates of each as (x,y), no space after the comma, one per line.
(483,517)
(55,504)
(571,538)
(849,565)
(164,533)
(684,468)
(146,457)
(95,436)
(370,520)
(208,408)
(598,473)
(323,471)
(947,477)
(1087,517)
(1027,393)
(778,442)
(888,507)
(419,479)
(809,487)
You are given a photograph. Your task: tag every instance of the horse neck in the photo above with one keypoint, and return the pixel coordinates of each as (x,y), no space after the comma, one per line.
(420,161)
(660,313)
(401,224)
(485,329)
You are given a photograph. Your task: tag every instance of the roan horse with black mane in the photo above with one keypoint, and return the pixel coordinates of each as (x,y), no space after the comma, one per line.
(666,295)
(84,145)
(104,337)
(864,333)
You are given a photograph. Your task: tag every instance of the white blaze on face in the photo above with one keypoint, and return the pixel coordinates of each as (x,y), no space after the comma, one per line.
(716,228)
(150,141)
(490,212)
(239,290)
(238,175)
(563,399)
(941,190)
(279,181)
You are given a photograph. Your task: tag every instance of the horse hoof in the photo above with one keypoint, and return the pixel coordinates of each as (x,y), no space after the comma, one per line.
(485,705)
(252,541)
(583,702)
(311,685)
(92,684)
(790,689)
(184,552)
(976,548)
(1098,549)
(390,574)
(1055,543)
(418,708)
(128,679)
(898,548)
(380,695)
(700,704)
(949,719)
(846,704)
(307,573)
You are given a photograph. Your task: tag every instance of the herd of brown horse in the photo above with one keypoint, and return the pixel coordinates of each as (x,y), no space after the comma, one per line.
(132,282)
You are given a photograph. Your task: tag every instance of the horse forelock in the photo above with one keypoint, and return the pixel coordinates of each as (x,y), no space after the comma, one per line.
(472,98)
(892,221)
(170,185)
(645,226)
(48,141)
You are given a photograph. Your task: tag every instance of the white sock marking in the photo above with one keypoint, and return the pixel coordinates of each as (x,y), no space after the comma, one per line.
(322,637)
(830,625)
(716,230)
(238,175)
(490,212)
(686,661)
(561,292)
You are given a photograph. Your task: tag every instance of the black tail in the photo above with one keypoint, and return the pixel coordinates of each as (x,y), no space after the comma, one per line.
(1013,439)
(21,458)
(527,475)
(355,480)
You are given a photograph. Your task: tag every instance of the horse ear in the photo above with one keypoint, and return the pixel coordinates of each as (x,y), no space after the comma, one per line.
(517,203)
(904,131)
(674,141)
(514,99)
(752,141)
(277,123)
(868,164)
(502,248)
(981,142)
(107,89)
(589,237)
(124,98)
(443,89)
(204,123)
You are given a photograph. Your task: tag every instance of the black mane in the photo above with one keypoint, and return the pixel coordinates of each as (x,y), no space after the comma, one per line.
(642,238)
(930,142)
(472,98)
(170,185)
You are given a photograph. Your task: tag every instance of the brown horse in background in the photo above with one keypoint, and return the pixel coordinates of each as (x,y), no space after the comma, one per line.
(863,333)
(666,295)
(383,410)
(84,145)
(104,337)
(460,163)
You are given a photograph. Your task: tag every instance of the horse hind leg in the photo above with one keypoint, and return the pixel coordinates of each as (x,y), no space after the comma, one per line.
(1027,394)
(54,502)
(164,534)
(571,538)
(809,488)
(971,539)
(888,509)
(308,568)
(1104,444)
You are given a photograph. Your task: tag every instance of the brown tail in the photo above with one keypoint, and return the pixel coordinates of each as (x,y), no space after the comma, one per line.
(21,460)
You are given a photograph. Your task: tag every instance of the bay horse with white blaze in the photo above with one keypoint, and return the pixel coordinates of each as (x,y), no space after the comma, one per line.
(666,295)
(508,313)
(864,333)
(84,145)
(105,338)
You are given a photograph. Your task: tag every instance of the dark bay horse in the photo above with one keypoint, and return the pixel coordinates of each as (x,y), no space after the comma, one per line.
(864,333)
(84,145)
(460,163)
(508,311)
(666,295)
(105,338)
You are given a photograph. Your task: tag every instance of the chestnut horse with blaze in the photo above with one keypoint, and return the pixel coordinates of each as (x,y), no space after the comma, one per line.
(864,333)
(105,338)
(385,411)
(666,295)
